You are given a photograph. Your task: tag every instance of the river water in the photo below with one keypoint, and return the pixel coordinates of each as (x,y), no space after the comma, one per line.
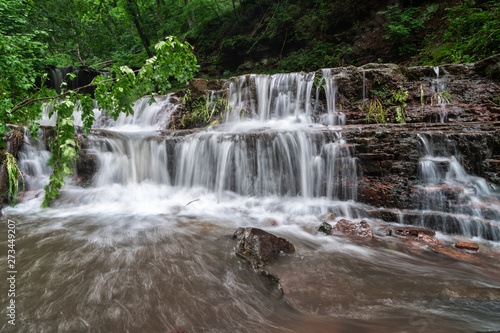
(148,247)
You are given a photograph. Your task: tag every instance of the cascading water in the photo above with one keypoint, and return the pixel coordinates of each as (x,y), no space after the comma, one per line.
(332,117)
(264,97)
(145,248)
(454,201)
(438,88)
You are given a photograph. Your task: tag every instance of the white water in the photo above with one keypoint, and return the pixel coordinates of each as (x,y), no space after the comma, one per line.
(146,248)
(438,87)
(464,203)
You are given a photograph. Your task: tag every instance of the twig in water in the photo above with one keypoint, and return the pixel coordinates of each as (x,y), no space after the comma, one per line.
(191,202)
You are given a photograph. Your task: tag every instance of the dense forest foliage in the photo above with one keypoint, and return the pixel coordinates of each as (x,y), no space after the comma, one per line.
(233,36)
(131,39)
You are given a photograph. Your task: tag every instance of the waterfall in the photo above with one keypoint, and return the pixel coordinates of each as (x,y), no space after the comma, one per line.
(333,116)
(283,164)
(33,158)
(149,114)
(269,147)
(265,97)
(454,201)
(438,87)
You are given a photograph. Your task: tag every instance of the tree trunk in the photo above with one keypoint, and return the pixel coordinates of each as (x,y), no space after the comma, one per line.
(135,18)
(234,11)
(190,21)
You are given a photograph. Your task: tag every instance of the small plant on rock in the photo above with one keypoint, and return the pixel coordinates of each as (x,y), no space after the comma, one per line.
(399,97)
(13,174)
(376,111)
(442,97)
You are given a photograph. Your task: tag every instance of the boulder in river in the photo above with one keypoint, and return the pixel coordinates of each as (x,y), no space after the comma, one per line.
(259,247)
(325,228)
(467,246)
(360,229)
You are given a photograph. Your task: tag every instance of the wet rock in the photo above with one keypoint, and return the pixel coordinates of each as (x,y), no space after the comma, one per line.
(454,253)
(325,228)
(177,330)
(199,87)
(428,239)
(259,247)
(409,231)
(86,167)
(489,67)
(328,217)
(359,229)
(467,246)
(387,215)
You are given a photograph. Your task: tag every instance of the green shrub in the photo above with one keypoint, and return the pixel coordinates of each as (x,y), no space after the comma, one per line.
(473,31)
(404,23)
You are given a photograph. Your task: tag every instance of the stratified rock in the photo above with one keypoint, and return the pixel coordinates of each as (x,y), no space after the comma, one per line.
(360,229)
(467,246)
(259,247)
(409,231)
(325,228)
(489,67)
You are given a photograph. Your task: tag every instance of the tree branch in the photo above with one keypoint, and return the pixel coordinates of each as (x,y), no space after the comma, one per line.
(29,101)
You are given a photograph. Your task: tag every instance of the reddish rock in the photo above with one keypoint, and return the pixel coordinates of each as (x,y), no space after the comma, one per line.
(409,231)
(454,253)
(177,330)
(360,229)
(467,246)
(428,239)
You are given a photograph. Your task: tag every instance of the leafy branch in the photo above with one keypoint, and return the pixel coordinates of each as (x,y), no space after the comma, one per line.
(116,94)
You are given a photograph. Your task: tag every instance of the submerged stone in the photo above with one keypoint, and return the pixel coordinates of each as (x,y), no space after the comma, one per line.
(325,228)
(455,253)
(424,238)
(409,231)
(350,228)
